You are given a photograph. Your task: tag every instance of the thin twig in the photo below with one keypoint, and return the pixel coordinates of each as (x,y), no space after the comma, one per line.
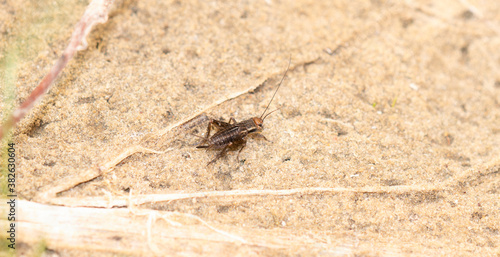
(68,183)
(233,195)
(96,12)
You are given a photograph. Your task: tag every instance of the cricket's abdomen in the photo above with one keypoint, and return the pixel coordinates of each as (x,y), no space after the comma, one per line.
(225,137)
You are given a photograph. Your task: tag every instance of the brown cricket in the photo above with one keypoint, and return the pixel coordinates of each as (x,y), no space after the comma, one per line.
(232,133)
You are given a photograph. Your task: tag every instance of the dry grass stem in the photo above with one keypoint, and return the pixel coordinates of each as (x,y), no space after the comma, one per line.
(68,183)
(233,195)
(96,12)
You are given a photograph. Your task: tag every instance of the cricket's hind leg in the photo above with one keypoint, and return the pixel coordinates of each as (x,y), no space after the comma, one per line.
(220,154)
(203,143)
(218,125)
(243,144)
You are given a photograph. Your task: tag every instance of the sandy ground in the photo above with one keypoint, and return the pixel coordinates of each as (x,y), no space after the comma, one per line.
(400,96)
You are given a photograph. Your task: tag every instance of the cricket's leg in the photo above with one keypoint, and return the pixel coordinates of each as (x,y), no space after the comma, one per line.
(219,154)
(258,135)
(209,127)
(218,124)
(243,144)
(203,143)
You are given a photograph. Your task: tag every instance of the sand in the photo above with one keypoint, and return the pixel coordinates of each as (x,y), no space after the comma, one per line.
(391,107)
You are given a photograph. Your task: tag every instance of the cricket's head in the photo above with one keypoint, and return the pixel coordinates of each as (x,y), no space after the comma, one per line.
(258,125)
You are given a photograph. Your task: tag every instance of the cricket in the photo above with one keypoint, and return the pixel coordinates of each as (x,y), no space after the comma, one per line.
(233,134)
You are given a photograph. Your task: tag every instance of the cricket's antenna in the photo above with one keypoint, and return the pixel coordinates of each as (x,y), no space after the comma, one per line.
(279,85)
(270,113)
